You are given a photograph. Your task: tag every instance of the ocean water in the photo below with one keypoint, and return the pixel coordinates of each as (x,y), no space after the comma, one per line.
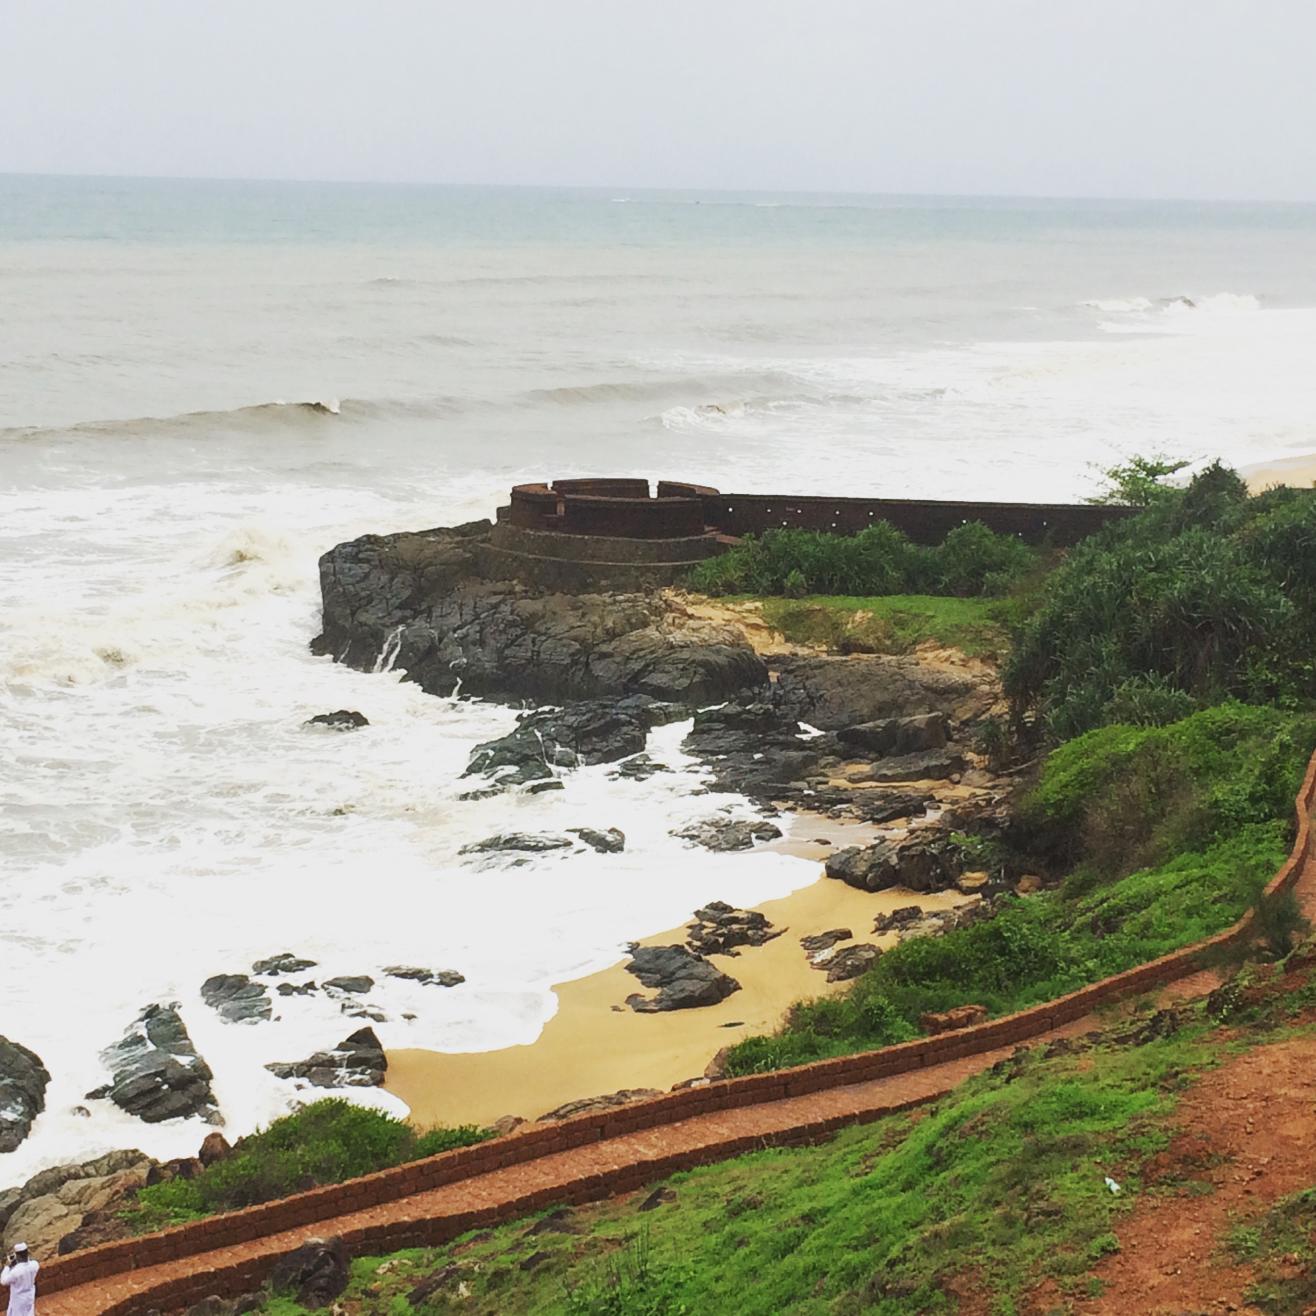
(204,385)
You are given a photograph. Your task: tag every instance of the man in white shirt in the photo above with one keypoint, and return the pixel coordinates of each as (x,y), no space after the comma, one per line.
(19,1276)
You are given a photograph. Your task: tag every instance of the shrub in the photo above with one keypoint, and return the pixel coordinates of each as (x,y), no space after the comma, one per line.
(323,1143)
(972,560)
(1205,595)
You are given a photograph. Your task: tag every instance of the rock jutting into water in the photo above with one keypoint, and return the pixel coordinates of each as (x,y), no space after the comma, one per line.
(611,840)
(286,962)
(358,1061)
(237,998)
(23,1083)
(426,977)
(156,1071)
(721,833)
(345,719)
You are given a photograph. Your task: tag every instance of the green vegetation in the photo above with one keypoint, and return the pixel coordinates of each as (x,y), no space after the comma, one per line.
(893,623)
(1281,1248)
(325,1142)
(999,1186)
(1207,594)
(971,560)
(1171,832)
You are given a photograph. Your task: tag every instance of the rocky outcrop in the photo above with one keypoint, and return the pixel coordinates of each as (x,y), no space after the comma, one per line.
(898,735)
(720,929)
(918,863)
(55,1203)
(354,984)
(611,840)
(156,1072)
(722,833)
(683,980)
(962,1016)
(345,719)
(609,1101)
(421,602)
(849,962)
(595,731)
(285,962)
(23,1083)
(357,1061)
(236,998)
(518,843)
(426,977)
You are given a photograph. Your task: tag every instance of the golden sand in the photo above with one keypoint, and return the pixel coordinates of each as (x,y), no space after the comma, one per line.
(591,1047)
(1300,472)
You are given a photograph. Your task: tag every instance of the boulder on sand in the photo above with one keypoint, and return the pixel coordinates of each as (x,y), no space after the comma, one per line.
(156,1071)
(23,1083)
(683,979)
(917,863)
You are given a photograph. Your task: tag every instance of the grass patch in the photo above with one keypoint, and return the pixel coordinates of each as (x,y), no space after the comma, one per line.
(323,1143)
(1281,1246)
(1005,1176)
(892,623)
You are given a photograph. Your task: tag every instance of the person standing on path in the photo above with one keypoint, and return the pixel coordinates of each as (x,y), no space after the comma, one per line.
(19,1276)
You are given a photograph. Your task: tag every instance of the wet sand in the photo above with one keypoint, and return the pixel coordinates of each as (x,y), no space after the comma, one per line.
(1300,472)
(590,1047)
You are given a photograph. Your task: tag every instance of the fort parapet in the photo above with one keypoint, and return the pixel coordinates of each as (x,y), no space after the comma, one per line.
(576,535)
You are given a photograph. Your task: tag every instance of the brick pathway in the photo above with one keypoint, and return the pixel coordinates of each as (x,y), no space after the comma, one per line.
(586,1173)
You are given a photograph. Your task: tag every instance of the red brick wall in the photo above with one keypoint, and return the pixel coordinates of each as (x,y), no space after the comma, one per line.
(320,1204)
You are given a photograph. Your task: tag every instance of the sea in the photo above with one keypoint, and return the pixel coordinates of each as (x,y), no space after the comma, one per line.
(206,384)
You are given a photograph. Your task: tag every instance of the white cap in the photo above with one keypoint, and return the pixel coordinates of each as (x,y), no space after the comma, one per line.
(20,1247)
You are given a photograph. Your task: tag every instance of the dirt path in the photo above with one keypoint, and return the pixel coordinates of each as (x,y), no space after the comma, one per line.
(1248,1129)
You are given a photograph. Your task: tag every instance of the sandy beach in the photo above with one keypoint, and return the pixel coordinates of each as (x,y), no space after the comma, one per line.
(595,1044)
(1300,472)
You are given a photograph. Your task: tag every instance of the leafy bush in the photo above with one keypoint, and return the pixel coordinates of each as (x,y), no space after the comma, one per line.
(1205,595)
(323,1143)
(972,560)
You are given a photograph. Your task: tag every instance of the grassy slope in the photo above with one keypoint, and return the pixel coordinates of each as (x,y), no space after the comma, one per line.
(999,1186)
(890,623)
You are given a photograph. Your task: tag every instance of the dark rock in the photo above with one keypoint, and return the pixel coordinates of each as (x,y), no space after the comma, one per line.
(609,1101)
(600,731)
(287,962)
(683,980)
(353,983)
(639,767)
(611,841)
(833,694)
(818,949)
(724,834)
(426,977)
(718,929)
(657,1198)
(559,1221)
(898,918)
(345,719)
(315,1274)
(932,765)
(533,1261)
(357,1061)
(237,998)
(424,599)
(181,1167)
(885,806)
(897,735)
(850,961)
(518,843)
(297,989)
(543,787)
(97,1227)
(918,863)
(156,1071)
(23,1083)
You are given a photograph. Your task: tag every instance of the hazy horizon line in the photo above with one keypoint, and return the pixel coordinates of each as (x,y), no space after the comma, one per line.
(667,188)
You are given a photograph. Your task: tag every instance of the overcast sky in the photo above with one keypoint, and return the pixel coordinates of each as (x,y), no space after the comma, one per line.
(1184,98)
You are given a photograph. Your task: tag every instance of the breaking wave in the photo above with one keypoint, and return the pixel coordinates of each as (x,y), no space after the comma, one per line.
(1215,302)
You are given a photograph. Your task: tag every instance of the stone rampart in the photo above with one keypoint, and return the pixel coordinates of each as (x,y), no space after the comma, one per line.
(323,1204)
